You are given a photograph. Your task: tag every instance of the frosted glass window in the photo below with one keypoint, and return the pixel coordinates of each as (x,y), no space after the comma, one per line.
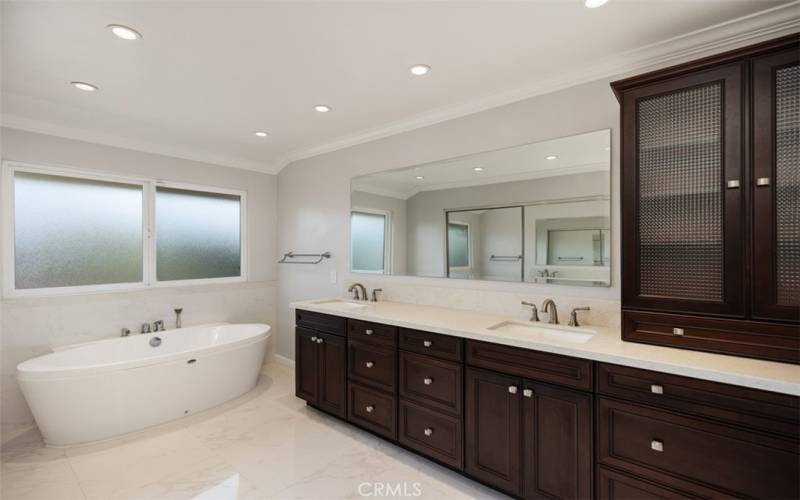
(198,235)
(457,245)
(74,232)
(367,242)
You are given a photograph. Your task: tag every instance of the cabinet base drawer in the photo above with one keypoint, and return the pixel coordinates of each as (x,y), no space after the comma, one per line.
(432,344)
(373,410)
(321,322)
(614,485)
(695,454)
(433,434)
(372,365)
(750,339)
(432,382)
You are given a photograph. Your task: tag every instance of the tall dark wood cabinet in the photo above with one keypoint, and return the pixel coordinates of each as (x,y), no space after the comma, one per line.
(321,362)
(710,183)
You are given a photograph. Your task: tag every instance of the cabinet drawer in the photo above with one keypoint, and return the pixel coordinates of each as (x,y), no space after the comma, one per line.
(695,454)
(766,411)
(535,365)
(320,322)
(433,344)
(432,382)
(373,410)
(372,365)
(614,485)
(373,333)
(433,434)
(738,337)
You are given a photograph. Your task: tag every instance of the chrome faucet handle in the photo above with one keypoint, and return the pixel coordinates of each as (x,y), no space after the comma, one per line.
(375,294)
(145,328)
(573,316)
(178,311)
(158,326)
(125,332)
(534,310)
(356,295)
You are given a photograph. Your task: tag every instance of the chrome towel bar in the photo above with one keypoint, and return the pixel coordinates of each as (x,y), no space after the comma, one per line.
(291,255)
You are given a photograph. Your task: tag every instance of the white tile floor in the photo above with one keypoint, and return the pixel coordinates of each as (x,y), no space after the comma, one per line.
(266,444)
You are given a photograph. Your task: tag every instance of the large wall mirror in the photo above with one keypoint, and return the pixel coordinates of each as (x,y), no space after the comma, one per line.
(538,213)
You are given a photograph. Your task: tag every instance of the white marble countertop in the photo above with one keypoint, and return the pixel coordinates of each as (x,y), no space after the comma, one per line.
(606,345)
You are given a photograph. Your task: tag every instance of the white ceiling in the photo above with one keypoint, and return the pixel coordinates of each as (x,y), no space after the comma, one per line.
(589,152)
(207,75)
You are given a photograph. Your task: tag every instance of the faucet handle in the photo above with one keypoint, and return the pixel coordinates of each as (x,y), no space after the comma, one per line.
(534,310)
(375,294)
(145,328)
(573,316)
(125,332)
(158,326)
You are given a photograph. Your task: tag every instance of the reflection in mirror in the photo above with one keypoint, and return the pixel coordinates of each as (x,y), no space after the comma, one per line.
(538,213)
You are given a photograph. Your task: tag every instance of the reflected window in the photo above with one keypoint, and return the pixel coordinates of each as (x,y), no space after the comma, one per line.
(369,235)
(458,255)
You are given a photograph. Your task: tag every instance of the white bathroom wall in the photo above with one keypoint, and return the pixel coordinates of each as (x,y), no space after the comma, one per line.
(29,326)
(314,223)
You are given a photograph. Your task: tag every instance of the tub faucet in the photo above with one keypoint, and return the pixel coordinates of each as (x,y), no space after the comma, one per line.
(125,332)
(145,328)
(178,311)
(158,326)
(354,289)
(549,307)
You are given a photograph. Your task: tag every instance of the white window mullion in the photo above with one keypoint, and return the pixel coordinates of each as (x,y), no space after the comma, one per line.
(149,229)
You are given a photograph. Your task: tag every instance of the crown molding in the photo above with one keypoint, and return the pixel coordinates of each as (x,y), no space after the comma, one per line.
(28,125)
(757,27)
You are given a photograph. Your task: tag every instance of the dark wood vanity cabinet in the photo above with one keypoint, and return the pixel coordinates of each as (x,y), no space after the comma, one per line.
(710,191)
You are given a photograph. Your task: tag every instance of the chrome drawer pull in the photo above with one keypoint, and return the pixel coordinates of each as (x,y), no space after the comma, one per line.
(428,431)
(427,343)
(368,332)
(369,364)
(370,409)
(657,389)
(733,184)
(512,389)
(427,381)
(657,445)
(313,339)
(762,181)
(528,393)
(319,340)
(677,331)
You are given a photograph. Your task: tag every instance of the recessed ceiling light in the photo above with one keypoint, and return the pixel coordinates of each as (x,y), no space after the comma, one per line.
(551,157)
(261,134)
(478,169)
(86,87)
(593,4)
(419,177)
(322,108)
(420,69)
(124,32)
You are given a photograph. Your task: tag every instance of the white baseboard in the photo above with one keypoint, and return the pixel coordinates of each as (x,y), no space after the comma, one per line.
(283,360)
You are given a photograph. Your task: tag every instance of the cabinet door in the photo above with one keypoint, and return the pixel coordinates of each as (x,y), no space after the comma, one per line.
(332,374)
(776,186)
(683,194)
(306,365)
(557,429)
(493,437)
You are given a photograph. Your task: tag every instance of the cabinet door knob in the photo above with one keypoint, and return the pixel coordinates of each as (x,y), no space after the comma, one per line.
(369,364)
(657,389)
(528,393)
(368,332)
(677,331)
(370,408)
(319,340)
(427,343)
(427,381)
(657,445)
(313,339)
(512,389)
(428,431)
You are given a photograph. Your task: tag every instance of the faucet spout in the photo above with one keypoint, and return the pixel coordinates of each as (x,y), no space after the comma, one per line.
(355,288)
(549,306)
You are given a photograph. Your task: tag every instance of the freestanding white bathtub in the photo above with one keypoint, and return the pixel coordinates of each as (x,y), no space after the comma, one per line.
(104,389)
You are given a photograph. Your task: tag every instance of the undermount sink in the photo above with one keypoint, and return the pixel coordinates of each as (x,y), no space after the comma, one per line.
(340,305)
(537,331)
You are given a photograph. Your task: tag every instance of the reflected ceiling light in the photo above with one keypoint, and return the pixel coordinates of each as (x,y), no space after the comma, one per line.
(551,157)
(86,87)
(478,169)
(261,134)
(593,4)
(420,69)
(419,177)
(124,32)
(322,108)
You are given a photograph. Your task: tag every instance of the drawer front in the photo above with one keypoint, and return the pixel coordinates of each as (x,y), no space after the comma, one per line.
(372,365)
(614,485)
(738,337)
(433,344)
(535,365)
(432,434)
(432,382)
(372,333)
(767,411)
(373,410)
(321,322)
(696,454)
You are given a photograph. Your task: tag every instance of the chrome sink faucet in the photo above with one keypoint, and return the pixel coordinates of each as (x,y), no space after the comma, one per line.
(534,310)
(549,307)
(354,289)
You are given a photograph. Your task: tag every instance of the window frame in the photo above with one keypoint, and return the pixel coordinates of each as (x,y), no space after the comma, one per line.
(387,239)
(149,279)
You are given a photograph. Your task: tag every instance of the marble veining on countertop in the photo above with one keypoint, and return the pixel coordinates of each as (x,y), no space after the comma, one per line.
(605,345)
